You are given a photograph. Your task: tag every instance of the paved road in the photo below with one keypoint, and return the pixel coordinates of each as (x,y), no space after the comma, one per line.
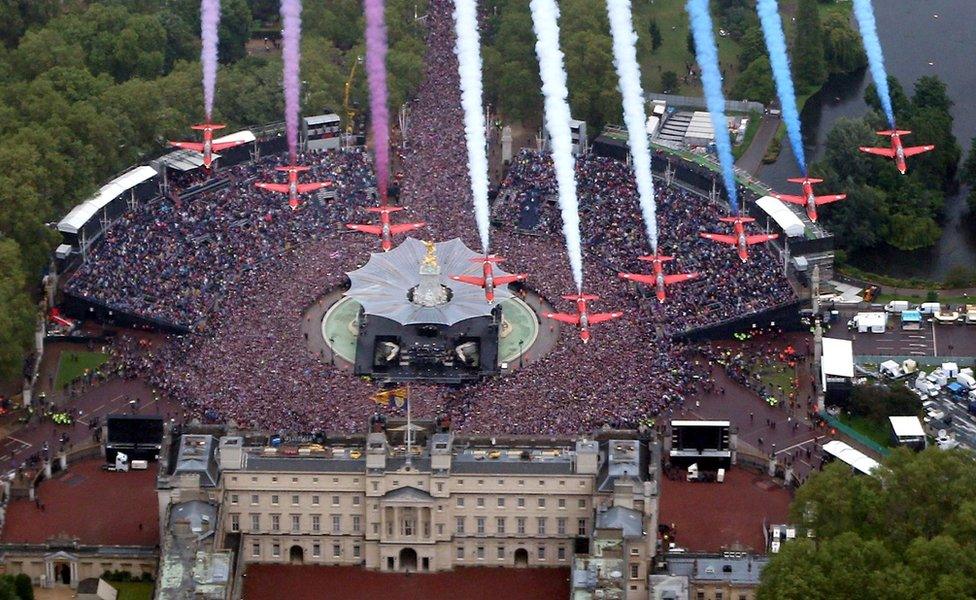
(933,339)
(111,397)
(751,160)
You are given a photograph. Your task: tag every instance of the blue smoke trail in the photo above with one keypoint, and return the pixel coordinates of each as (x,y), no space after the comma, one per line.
(772,27)
(872,46)
(707,54)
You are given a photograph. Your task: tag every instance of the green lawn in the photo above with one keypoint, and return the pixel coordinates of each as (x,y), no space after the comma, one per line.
(776,375)
(871,429)
(754,120)
(673,53)
(133,590)
(72,365)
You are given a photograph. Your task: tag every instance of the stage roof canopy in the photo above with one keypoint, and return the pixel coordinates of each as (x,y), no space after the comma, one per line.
(787,220)
(81,213)
(383,284)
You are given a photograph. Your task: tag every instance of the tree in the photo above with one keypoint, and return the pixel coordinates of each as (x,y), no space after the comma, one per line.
(968,174)
(655,32)
(16,312)
(752,46)
(756,82)
(843,49)
(809,63)
(905,532)
(23,587)
(235,30)
(670,84)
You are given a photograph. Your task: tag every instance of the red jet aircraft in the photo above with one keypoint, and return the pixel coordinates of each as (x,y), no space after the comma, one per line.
(292,188)
(897,151)
(808,199)
(740,239)
(488,279)
(385,230)
(659,280)
(582,317)
(208,146)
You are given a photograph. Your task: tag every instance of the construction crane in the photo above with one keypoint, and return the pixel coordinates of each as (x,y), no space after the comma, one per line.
(350,111)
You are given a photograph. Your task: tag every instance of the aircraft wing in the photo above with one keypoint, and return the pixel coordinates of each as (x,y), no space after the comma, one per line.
(371,229)
(818,200)
(759,239)
(887,152)
(718,237)
(503,279)
(603,317)
(912,151)
(281,188)
(195,146)
(647,279)
(564,318)
(304,188)
(678,278)
(790,199)
(405,227)
(218,146)
(478,281)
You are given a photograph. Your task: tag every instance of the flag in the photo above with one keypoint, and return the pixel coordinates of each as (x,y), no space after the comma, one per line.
(395,398)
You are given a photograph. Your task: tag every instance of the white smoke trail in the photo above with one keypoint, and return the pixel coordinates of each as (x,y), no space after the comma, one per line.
(545,23)
(468,49)
(635,118)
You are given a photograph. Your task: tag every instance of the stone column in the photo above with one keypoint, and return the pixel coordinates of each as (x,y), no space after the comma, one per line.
(47,469)
(74,574)
(63,460)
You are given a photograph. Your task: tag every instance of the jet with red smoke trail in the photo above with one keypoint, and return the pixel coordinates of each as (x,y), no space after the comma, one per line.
(385,230)
(292,188)
(208,146)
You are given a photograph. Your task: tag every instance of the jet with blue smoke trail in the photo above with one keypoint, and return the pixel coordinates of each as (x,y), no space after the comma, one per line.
(772,27)
(864,13)
(707,55)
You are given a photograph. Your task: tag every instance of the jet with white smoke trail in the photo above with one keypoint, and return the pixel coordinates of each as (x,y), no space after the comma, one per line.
(629,83)
(772,27)
(468,51)
(545,23)
(707,55)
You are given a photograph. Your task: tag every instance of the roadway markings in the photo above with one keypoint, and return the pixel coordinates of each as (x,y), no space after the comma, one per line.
(803,443)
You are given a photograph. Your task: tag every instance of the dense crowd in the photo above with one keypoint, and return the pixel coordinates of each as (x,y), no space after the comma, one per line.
(614,235)
(253,364)
(173,258)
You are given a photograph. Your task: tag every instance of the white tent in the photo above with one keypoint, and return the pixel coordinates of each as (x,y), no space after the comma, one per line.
(837,359)
(852,456)
(787,220)
(82,213)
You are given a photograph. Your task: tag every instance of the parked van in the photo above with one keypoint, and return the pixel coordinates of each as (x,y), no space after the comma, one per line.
(929,308)
(897,306)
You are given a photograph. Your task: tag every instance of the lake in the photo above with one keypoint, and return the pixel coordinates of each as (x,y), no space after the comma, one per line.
(934,37)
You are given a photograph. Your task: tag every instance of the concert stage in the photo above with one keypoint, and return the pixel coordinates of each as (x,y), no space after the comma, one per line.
(405,319)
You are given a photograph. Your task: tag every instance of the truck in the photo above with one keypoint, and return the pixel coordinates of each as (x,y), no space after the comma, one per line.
(967,381)
(897,306)
(971,314)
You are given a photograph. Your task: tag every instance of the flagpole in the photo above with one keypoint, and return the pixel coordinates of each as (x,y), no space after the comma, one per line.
(409,429)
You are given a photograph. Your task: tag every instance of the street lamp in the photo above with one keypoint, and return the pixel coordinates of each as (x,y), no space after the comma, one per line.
(332,350)
(520,352)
